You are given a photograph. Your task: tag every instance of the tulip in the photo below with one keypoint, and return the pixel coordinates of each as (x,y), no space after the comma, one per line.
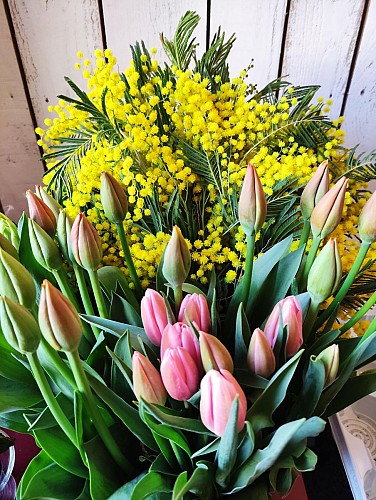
(315,190)
(330,359)
(218,391)
(252,203)
(48,200)
(180,335)
(7,246)
(180,373)
(63,231)
(19,326)
(153,315)
(58,319)
(325,273)
(86,244)
(292,318)
(214,354)
(113,199)
(147,382)
(367,221)
(177,259)
(328,212)
(9,230)
(45,250)
(41,213)
(195,308)
(15,281)
(260,358)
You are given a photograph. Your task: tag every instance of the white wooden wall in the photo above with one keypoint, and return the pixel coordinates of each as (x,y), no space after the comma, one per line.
(326,42)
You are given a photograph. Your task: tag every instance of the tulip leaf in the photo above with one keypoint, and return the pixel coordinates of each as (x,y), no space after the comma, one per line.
(17,395)
(242,338)
(45,420)
(11,366)
(160,280)
(161,465)
(227,450)
(281,479)
(248,379)
(179,486)
(306,461)
(15,420)
(149,485)
(121,309)
(111,277)
(313,385)
(54,373)
(123,369)
(247,445)
(209,448)
(123,352)
(322,342)
(200,483)
(125,491)
(189,288)
(260,413)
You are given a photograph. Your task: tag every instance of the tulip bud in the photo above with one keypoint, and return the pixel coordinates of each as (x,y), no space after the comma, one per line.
(180,373)
(153,315)
(147,382)
(177,259)
(41,213)
(58,319)
(218,391)
(48,200)
(315,190)
(260,358)
(367,221)
(214,354)
(19,326)
(195,308)
(7,246)
(292,318)
(113,199)
(63,232)
(252,203)
(45,250)
(85,243)
(180,335)
(9,230)
(330,358)
(328,212)
(15,281)
(325,273)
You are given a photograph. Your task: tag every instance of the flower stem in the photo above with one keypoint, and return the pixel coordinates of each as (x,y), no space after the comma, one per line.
(310,259)
(88,306)
(94,412)
(305,233)
(50,399)
(58,362)
(346,284)
(178,297)
(359,314)
(310,319)
(247,277)
(129,260)
(101,304)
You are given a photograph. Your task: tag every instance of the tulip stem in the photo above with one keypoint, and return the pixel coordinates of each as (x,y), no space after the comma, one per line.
(58,362)
(129,260)
(364,247)
(313,310)
(102,308)
(359,314)
(247,277)
(310,259)
(88,306)
(305,233)
(95,414)
(50,399)
(178,297)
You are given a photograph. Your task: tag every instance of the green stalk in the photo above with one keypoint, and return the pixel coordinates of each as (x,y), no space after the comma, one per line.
(129,260)
(178,297)
(359,314)
(58,362)
(50,399)
(310,259)
(305,233)
(88,306)
(95,414)
(364,247)
(247,277)
(370,330)
(101,304)
(310,319)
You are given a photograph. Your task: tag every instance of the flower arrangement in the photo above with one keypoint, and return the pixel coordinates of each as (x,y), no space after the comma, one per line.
(197,362)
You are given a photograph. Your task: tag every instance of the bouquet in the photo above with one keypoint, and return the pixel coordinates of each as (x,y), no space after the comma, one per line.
(184,306)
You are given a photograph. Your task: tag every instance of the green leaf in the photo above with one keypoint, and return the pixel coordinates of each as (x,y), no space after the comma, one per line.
(247,445)
(17,395)
(242,338)
(10,365)
(54,373)
(200,483)
(306,461)
(179,486)
(15,420)
(125,491)
(226,454)
(207,449)
(121,309)
(151,485)
(125,371)
(281,479)
(260,413)
(189,288)
(110,277)
(313,385)
(45,419)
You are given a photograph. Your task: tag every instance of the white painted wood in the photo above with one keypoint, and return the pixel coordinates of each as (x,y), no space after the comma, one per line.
(49,34)
(129,21)
(258,25)
(360,112)
(320,43)
(20,167)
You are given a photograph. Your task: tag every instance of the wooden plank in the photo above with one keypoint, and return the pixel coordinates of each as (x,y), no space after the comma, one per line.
(20,167)
(258,26)
(320,42)
(360,112)
(49,34)
(129,21)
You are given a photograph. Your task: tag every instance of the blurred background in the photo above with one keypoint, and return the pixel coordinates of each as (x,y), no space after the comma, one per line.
(327,42)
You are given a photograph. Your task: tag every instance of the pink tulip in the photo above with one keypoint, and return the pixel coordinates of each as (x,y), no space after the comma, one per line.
(367,221)
(41,213)
(218,391)
(180,335)
(315,190)
(214,354)
(177,259)
(180,374)
(153,315)
(260,358)
(147,382)
(252,203)
(86,244)
(195,308)
(292,317)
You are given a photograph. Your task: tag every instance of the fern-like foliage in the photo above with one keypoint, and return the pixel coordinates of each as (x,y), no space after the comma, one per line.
(361,168)
(364,285)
